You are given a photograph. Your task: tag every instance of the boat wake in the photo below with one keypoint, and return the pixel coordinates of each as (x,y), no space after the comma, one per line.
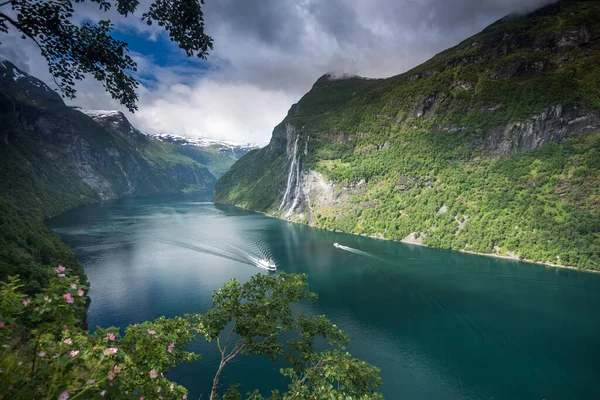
(358,252)
(218,247)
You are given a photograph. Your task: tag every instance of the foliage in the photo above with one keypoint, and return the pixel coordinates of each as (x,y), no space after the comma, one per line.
(73,51)
(399,149)
(45,353)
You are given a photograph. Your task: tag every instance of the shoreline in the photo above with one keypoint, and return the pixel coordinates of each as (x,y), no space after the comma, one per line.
(524,260)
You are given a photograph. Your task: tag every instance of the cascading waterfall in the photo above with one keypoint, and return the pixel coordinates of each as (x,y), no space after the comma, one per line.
(296,191)
(291,175)
(299,180)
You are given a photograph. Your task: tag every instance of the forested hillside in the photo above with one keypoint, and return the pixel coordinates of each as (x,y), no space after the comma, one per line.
(492,146)
(53,158)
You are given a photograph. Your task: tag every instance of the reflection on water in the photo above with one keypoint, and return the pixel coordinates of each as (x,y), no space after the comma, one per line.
(440,325)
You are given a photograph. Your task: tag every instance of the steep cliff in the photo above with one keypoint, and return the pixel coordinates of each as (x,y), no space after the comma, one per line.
(492,146)
(53,158)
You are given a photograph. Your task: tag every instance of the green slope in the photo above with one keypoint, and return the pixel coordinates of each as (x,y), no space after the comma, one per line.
(492,146)
(54,158)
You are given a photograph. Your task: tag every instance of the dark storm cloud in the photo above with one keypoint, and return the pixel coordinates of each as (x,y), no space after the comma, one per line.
(273,22)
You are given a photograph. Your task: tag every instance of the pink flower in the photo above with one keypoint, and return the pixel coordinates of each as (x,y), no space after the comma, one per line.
(68,341)
(171,347)
(42,354)
(111,336)
(141,397)
(111,375)
(65,327)
(80,293)
(68,298)
(117,369)
(153,374)
(1,324)
(61,275)
(184,396)
(151,332)
(110,350)
(63,396)
(74,353)
(60,269)
(10,387)
(73,286)
(102,393)
(26,302)
(48,299)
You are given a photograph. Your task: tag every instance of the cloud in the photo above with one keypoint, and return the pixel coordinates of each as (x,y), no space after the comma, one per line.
(268,53)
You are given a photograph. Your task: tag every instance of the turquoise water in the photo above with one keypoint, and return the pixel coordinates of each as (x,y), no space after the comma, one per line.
(439,324)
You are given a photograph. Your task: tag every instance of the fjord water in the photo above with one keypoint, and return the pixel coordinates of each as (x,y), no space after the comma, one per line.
(439,324)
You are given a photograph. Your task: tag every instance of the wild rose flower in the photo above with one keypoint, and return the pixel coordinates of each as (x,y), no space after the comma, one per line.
(68,298)
(61,275)
(60,269)
(110,350)
(141,397)
(65,327)
(111,375)
(1,324)
(26,302)
(151,332)
(184,396)
(74,353)
(153,374)
(68,341)
(42,354)
(117,369)
(80,293)
(111,336)
(73,286)
(63,396)
(171,347)
(102,393)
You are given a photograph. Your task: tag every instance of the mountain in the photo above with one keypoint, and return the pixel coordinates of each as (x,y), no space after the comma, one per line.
(492,146)
(236,150)
(216,156)
(53,158)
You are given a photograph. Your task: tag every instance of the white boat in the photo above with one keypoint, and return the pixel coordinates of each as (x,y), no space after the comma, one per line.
(337,245)
(267,264)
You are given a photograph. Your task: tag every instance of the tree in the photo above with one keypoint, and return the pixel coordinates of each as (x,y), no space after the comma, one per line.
(72,51)
(47,354)
(254,318)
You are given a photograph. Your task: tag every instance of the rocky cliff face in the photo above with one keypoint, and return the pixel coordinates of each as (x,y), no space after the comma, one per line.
(109,159)
(497,131)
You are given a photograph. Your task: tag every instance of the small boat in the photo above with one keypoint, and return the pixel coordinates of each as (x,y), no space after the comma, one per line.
(337,245)
(267,264)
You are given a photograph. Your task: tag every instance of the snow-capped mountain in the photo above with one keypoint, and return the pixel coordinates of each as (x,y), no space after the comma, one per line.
(237,149)
(117,118)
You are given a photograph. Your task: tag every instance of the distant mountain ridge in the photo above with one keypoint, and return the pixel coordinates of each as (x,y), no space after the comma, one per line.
(491,146)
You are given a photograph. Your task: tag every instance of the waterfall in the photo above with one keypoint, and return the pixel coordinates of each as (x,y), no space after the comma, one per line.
(296,192)
(294,169)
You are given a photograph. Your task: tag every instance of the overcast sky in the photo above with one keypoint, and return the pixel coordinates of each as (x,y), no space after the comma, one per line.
(268,53)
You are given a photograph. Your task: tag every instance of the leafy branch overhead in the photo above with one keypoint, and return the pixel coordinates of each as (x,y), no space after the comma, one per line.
(73,50)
